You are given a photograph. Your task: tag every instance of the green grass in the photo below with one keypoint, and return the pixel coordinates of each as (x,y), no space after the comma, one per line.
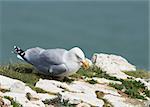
(57,102)
(147,92)
(26,73)
(21,72)
(133,88)
(117,86)
(93,72)
(91,81)
(139,74)
(29,75)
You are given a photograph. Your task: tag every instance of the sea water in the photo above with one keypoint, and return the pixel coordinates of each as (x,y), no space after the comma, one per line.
(113,27)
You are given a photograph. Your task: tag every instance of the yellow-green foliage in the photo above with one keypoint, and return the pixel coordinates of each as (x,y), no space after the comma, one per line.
(138,74)
(21,72)
(29,75)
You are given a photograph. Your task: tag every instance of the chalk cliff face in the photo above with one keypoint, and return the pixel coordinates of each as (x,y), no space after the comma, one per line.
(113,64)
(109,89)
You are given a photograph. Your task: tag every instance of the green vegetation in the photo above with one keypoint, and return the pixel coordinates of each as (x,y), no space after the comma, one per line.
(29,75)
(13,103)
(57,102)
(66,104)
(21,72)
(93,72)
(38,90)
(138,74)
(147,92)
(133,88)
(91,81)
(117,86)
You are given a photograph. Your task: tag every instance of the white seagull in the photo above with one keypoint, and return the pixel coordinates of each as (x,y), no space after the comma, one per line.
(54,62)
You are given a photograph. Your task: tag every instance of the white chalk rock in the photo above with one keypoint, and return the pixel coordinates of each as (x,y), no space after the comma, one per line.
(76,98)
(117,101)
(83,105)
(83,87)
(90,89)
(106,89)
(18,87)
(29,90)
(33,94)
(7,83)
(38,103)
(113,64)
(45,96)
(21,99)
(7,103)
(18,97)
(147,84)
(49,85)
(105,81)
(59,84)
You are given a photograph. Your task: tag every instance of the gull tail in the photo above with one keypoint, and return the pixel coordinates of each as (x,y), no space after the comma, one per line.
(20,53)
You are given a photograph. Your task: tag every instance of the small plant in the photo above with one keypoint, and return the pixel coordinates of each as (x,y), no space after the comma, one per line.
(100,95)
(58,103)
(133,88)
(91,81)
(107,103)
(134,94)
(117,86)
(94,72)
(4,90)
(66,104)
(13,103)
(67,80)
(37,89)
(147,92)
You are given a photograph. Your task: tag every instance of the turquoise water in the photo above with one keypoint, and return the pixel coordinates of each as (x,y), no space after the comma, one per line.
(96,26)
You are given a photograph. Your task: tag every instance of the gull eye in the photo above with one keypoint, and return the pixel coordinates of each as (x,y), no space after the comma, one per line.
(78,57)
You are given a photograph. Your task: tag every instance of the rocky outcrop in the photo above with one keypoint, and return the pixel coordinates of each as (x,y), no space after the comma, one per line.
(113,64)
(80,93)
(123,102)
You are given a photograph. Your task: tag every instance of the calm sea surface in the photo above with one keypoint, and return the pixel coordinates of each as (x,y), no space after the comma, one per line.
(96,26)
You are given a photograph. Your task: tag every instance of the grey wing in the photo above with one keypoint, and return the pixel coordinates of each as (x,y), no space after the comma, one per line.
(32,55)
(52,56)
(48,62)
(56,70)
(52,61)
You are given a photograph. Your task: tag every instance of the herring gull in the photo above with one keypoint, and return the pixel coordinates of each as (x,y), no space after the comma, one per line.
(55,62)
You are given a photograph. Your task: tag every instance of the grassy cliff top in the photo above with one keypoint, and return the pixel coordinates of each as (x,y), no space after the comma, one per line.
(28,74)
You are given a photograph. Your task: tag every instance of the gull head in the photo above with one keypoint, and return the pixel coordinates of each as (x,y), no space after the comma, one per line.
(79,57)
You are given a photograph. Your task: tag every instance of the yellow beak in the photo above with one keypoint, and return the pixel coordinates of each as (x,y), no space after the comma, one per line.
(85,64)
